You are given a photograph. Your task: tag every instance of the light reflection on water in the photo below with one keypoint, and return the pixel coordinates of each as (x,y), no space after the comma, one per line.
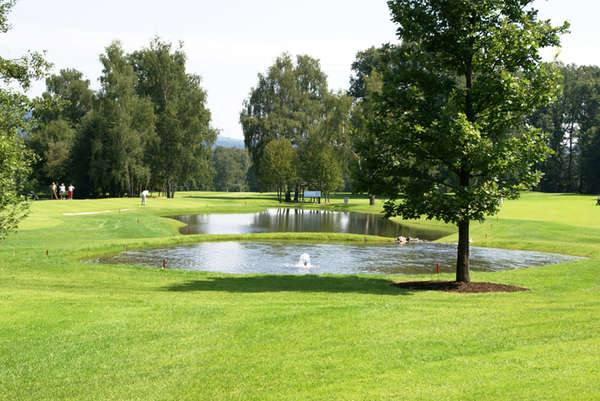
(300,220)
(282,258)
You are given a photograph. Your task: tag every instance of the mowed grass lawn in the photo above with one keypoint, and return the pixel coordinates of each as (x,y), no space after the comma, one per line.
(82,331)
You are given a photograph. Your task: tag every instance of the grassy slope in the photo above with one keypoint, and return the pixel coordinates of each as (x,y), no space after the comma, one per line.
(84,331)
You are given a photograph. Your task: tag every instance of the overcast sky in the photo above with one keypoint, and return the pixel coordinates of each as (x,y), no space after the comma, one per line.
(228,42)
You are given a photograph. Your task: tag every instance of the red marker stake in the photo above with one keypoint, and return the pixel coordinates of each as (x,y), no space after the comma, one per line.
(164,263)
(46,252)
(438,268)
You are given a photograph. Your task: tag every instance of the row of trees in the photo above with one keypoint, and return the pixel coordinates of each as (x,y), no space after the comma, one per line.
(300,135)
(148,125)
(572,123)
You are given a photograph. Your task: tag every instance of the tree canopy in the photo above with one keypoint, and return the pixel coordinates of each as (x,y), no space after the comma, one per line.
(148,125)
(292,101)
(120,129)
(448,121)
(15,118)
(185,137)
(278,165)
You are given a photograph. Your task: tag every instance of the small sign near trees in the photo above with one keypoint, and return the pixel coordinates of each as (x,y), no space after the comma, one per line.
(313,195)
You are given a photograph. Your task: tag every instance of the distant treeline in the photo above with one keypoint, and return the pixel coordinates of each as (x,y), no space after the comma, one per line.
(149,127)
(572,123)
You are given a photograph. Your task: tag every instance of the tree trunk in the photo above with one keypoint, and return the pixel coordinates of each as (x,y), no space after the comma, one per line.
(462,260)
(170,190)
(570,167)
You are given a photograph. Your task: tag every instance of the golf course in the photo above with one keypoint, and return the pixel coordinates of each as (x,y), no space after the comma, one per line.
(71,329)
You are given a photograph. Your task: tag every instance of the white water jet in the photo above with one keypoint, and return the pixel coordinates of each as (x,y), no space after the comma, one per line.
(304,261)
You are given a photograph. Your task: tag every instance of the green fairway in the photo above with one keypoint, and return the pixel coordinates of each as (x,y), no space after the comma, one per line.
(82,331)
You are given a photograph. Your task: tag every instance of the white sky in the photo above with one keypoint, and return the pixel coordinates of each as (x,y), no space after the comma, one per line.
(229,41)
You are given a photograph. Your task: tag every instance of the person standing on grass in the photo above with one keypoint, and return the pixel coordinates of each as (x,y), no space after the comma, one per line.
(71,189)
(61,191)
(144,195)
(53,190)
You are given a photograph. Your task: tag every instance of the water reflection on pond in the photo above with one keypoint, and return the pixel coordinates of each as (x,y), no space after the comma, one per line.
(283,258)
(300,220)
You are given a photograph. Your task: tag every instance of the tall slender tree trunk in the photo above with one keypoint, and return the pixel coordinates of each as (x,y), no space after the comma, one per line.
(169,189)
(570,168)
(462,260)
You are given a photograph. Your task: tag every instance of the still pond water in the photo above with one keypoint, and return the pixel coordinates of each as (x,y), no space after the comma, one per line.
(285,258)
(299,220)
(301,258)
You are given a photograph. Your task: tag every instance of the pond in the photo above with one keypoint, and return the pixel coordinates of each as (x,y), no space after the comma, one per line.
(300,220)
(291,258)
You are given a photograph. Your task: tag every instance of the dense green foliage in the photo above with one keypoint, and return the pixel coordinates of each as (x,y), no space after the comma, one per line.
(292,101)
(56,139)
(148,126)
(573,124)
(120,130)
(82,331)
(320,167)
(231,169)
(182,154)
(449,118)
(277,168)
(15,159)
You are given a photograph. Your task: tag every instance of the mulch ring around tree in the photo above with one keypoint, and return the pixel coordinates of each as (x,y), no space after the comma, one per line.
(454,286)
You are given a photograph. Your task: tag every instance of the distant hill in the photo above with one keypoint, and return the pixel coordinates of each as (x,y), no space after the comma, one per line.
(229,142)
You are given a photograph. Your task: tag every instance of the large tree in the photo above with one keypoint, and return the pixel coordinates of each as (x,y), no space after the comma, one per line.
(120,129)
(14,120)
(286,103)
(72,92)
(320,167)
(183,151)
(292,101)
(450,137)
(278,165)
(58,114)
(365,83)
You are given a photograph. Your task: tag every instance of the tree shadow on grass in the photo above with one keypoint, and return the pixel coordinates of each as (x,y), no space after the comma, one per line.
(292,283)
